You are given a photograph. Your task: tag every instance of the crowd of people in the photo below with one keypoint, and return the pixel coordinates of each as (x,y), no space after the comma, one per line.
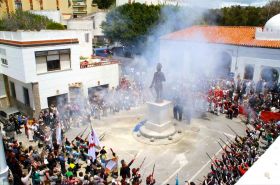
(242,97)
(51,158)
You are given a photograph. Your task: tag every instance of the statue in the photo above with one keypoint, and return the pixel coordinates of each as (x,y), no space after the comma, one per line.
(157,83)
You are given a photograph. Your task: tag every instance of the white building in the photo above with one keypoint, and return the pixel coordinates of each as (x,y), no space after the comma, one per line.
(54,15)
(38,67)
(249,52)
(90,23)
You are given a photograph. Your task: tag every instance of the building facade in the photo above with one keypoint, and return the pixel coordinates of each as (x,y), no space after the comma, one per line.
(73,8)
(250,53)
(90,23)
(41,68)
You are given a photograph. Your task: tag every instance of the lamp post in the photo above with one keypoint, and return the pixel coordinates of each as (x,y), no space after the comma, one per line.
(3,165)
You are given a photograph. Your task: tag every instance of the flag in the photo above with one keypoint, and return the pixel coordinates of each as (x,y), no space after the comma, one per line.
(93,141)
(177,180)
(58,134)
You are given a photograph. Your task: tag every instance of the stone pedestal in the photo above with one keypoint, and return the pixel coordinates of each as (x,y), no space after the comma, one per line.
(158,123)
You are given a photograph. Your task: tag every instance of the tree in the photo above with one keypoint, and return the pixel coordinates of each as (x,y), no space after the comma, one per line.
(21,20)
(242,16)
(129,24)
(104,4)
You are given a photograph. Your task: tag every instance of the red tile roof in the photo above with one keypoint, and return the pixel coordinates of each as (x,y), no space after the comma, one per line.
(241,36)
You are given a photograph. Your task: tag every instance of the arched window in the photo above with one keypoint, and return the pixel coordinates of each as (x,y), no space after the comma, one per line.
(270,74)
(249,72)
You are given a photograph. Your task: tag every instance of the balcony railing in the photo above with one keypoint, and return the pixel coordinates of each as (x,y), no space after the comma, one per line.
(74,1)
(88,63)
(80,4)
(79,12)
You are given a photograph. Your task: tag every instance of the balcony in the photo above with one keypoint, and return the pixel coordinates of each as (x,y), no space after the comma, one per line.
(79,4)
(79,12)
(97,61)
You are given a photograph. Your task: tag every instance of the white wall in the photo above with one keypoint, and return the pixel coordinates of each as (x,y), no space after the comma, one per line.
(52,84)
(181,52)
(19,91)
(30,60)
(2,87)
(98,18)
(38,35)
(259,58)
(80,24)
(51,14)
(15,68)
(92,22)
(21,60)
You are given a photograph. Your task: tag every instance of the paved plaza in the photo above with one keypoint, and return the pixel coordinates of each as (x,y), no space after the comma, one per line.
(187,158)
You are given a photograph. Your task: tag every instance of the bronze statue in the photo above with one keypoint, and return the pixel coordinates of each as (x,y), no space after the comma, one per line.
(157,83)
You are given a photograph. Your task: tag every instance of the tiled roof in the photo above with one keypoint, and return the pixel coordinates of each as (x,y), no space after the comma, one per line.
(241,36)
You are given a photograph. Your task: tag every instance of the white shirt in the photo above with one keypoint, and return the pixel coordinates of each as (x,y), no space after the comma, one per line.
(25,180)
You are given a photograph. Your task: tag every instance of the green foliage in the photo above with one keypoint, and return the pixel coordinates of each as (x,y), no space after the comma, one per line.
(21,20)
(242,16)
(55,26)
(130,23)
(104,4)
(133,24)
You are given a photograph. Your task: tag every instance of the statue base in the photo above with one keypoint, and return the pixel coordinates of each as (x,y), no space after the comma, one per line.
(158,125)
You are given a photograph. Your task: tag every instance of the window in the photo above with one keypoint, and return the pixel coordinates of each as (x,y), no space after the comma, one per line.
(3,56)
(2,87)
(26,96)
(249,72)
(53,65)
(52,60)
(18,4)
(4,61)
(87,37)
(93,23)
(13,89)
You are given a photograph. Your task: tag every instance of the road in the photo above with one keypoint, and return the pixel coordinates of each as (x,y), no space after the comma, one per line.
(187,157)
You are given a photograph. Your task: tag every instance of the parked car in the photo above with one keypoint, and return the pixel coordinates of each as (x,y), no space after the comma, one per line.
(102,52)
(5,115)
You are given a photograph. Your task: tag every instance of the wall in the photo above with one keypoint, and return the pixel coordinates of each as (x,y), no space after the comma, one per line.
(182,52)
(3,9)
(92,22)
(98,18)
(38,35)
(19,91)
(15,68)
(50,86)
(51,14)
(258,57)
(79,24)
(21,61)
(2,87)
